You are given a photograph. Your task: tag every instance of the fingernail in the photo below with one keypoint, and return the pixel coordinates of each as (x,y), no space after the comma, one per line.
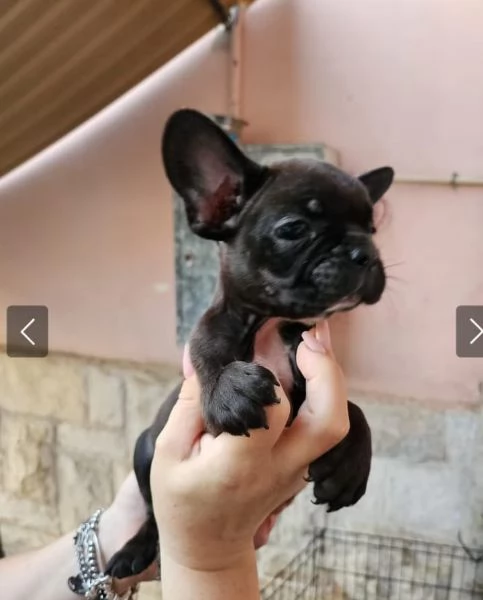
(187,366)
(322,334)
(312,343)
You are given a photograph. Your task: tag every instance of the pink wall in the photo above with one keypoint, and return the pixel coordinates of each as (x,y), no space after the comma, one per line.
(86,228)
(400,83)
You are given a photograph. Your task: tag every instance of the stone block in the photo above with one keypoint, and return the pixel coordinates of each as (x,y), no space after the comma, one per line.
(150,591)
(272,558)
(29,514)
(105,392)
(91,441)
(422,500)
(16,538)
(461,429)
(120,470)
(478,445)
(27,444)
(406,431)
(85,484)
(47,387)
(293,531)
(2,461)
(144,396)
(299,521)
(472,530)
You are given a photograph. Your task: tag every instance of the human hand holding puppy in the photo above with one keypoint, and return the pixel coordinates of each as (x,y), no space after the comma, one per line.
(212,495)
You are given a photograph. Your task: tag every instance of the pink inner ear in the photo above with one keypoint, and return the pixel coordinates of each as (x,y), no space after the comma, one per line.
(212,168)
(218,207)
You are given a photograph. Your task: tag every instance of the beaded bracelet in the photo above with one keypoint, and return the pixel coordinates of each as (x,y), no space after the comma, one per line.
(91,582)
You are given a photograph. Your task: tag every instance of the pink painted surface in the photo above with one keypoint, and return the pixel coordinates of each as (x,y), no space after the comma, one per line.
(86,228)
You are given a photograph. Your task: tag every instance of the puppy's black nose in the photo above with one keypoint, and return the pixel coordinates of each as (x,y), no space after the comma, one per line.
(360,256)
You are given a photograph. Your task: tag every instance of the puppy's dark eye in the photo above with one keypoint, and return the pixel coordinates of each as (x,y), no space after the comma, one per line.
(294,229)
(372,229)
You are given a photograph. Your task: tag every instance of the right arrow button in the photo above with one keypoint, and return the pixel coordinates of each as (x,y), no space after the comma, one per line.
(469,331)
(480,331)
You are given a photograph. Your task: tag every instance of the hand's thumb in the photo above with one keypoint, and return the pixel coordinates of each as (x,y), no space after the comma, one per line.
(322,420)
(188,369)
(185,423)
(318,368)
(324,380)
(315,350)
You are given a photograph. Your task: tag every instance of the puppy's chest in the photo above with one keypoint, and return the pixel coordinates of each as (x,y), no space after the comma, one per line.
(271,352)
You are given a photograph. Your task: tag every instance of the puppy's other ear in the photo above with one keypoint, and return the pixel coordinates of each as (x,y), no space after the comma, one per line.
(377,182)
(209,172)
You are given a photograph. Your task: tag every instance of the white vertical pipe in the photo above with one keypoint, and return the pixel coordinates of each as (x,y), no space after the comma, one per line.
(236,63)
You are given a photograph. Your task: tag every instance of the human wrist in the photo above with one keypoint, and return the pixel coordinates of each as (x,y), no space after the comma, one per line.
(234,578)
(111,522)
(201,554)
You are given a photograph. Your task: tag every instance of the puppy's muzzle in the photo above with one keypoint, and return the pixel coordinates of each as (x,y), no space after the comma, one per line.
(361,250)
(374,283)
(362,256)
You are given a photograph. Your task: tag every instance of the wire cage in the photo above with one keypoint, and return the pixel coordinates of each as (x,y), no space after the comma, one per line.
(343,565)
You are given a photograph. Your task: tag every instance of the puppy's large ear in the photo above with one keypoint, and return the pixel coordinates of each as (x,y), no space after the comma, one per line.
(377,182)
(209,172)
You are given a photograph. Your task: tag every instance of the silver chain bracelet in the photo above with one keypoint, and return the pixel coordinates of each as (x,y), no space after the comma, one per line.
(91,582)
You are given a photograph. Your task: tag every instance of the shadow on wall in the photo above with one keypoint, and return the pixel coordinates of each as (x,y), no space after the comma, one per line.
(88,227)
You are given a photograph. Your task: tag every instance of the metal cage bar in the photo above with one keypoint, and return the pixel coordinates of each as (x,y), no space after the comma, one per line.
(346,565)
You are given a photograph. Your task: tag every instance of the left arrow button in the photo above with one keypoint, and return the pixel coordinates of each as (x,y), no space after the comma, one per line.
(22,332)
(27,331)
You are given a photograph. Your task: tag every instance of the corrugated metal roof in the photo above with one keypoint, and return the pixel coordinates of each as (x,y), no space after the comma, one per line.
(61,61)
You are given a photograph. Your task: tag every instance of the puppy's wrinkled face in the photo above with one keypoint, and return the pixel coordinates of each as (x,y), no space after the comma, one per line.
(304,244)
(297,236)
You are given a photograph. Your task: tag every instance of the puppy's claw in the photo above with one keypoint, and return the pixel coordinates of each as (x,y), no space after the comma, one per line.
(238,402)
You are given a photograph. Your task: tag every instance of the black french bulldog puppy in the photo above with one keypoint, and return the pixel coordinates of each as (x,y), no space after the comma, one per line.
(295,245)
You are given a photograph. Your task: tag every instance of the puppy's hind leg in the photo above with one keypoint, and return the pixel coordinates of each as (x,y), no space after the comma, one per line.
(141,550)
(137,554)
(340,476)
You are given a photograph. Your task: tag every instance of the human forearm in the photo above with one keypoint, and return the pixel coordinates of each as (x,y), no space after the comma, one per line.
(238,582)
(41,574)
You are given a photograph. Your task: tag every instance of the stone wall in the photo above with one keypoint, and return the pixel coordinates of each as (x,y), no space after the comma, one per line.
(426,482)
(67,429)
(68,425)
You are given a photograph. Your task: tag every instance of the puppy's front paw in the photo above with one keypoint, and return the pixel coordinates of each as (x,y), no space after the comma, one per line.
(340,476)
(238,402)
